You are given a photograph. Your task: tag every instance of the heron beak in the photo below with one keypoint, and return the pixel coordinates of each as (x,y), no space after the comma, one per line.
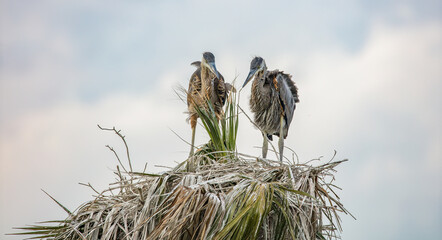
(249,77)
(212,68)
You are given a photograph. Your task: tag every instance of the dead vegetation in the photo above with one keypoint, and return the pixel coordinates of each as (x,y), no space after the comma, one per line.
(216,194)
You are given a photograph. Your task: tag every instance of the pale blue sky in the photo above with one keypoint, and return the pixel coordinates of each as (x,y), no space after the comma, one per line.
(368,73)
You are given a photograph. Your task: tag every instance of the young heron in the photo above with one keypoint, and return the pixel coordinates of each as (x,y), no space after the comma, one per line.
(273,102)
(206,84)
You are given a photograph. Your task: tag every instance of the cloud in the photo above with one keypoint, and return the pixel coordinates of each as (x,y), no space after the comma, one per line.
(378,105)
(381,108)
(57,147)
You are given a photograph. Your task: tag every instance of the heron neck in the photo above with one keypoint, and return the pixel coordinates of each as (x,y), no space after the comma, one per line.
(205,77)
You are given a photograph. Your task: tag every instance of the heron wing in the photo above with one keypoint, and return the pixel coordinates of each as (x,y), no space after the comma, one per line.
(293,88)
(194,87)
(220,88)
(287,97)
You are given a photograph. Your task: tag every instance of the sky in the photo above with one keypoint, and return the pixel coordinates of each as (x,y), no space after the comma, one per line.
(369,76)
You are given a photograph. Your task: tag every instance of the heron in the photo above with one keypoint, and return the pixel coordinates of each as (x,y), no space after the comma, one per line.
(273,101)
(206,84)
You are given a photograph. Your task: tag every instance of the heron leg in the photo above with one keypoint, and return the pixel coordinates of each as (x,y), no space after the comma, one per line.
(265,145)
(281,139)
(193,120)
(193,141)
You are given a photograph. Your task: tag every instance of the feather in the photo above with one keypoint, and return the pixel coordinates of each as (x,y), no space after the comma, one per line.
(196,64)
(216,90)
(286,97)
(273,94)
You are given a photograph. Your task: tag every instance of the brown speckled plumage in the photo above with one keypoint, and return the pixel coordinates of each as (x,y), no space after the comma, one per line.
(215,90)
(205,85)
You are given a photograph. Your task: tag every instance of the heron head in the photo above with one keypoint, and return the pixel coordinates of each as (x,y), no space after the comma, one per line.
(257,69)
(209,62)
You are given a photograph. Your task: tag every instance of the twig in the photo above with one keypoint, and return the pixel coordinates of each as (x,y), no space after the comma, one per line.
(89,185)
(180,137)
(124,141)
(295,154)
(116,155)
(119,174)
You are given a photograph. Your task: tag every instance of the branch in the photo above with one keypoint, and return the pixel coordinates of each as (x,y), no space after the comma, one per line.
(116,155)
(124,141)
(89,185)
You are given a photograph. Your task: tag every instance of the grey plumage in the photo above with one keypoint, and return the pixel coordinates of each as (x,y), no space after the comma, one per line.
(273,102)
(206,83)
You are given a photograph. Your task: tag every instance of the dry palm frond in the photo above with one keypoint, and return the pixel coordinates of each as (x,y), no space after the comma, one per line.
(226,195)
(242,198)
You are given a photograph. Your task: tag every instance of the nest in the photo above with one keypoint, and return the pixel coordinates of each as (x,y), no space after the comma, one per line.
(239,197)
(216,194)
